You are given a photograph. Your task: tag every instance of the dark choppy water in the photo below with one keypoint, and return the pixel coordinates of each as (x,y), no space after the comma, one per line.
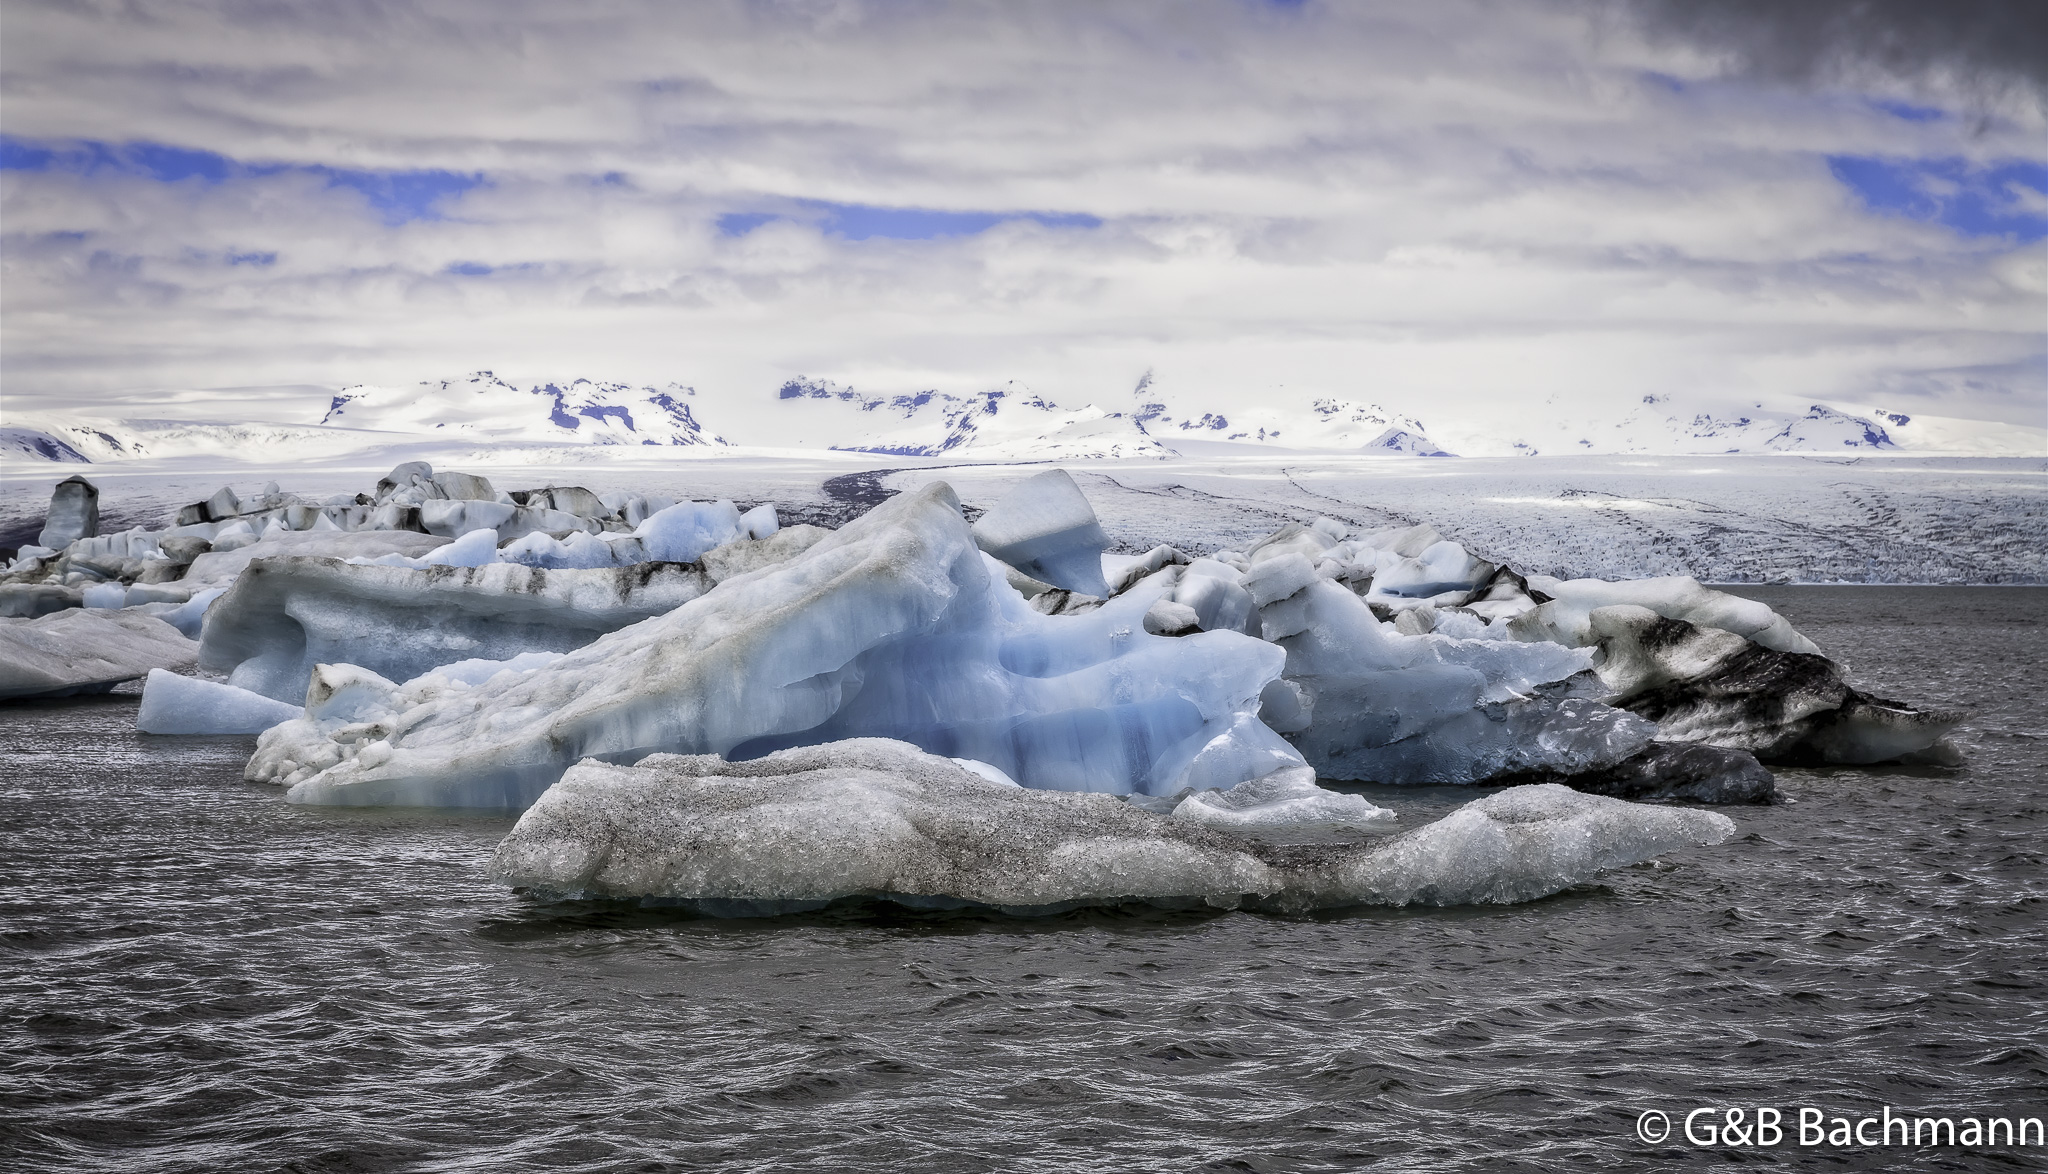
(198,977)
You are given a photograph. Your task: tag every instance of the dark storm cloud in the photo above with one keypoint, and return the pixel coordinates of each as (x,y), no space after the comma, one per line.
(1985,43)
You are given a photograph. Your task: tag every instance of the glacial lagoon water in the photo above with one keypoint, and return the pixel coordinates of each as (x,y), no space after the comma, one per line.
(195,976)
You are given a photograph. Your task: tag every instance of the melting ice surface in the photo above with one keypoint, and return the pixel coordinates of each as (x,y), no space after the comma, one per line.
(871,817)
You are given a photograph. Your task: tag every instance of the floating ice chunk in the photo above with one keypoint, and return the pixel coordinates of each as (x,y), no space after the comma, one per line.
(29,554)
(219,568)
(1285,798)
(893,626)
(1405,541)
(190,616)
(1293,538)
(174,704)
(1442,568)
(1460,624)
(527,520)
(1709,685)
(635,508)
(283,616)
(465,487)
(79,651)
(578,551)
(1517,845)
(1372,703)
(1567,618)
(234,537)
(28,600)
(74,514)
(1046,528)
(568,499)
(1167,618)
(104,595)
(879,819)
(474,549)
(1216,593)
(683,532)
(455,518)
(760,522)
(1683,772)
(1125,571)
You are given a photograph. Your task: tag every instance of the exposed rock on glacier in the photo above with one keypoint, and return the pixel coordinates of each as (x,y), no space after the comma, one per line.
(74,514)
(283,616)
(174,704)
(1712,686)
(1046,529)
(81,651)
(894,626)
(873,818)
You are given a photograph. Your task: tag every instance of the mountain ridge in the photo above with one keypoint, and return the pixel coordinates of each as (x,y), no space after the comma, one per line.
(1009,422)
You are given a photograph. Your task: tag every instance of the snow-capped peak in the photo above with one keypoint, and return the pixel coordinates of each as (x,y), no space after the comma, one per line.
(486,408)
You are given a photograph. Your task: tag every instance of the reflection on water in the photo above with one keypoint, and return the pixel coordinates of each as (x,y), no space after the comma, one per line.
(199,977)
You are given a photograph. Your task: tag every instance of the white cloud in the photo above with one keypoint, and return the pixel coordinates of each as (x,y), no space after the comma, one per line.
(1458,206)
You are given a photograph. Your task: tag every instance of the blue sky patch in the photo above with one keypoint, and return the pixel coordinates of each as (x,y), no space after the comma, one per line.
(396,196)
(1973,201)
(1910,112)
(742,223)
(859,222)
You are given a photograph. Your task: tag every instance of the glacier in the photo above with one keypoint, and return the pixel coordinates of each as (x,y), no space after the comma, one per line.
(874,818)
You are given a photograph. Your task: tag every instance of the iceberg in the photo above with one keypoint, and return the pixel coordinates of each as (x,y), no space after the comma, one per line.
(174,704)
(77,651)
(881,819)
(1567,617)
(1372,703)
(219,567)
(1046,529)
(283,616)
(895,626)
(1712,686)
(74,514)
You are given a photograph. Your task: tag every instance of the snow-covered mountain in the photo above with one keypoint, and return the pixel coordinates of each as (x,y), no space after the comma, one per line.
(93,441)
(1322,422)
(489,416)
(1007,423)
(484,407)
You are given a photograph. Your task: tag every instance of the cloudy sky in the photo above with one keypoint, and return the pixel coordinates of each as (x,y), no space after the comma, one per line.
(1554,205)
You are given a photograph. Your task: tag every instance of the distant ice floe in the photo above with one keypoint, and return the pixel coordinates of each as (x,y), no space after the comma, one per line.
(874,818)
